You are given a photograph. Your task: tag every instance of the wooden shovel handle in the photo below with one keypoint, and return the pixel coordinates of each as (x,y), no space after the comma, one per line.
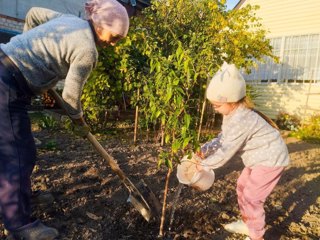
(112,163)
(110,160)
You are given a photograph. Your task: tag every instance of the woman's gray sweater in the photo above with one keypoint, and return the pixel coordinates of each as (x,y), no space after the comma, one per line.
(53,47)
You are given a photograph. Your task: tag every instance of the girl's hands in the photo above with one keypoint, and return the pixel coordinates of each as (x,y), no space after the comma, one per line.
(198,156)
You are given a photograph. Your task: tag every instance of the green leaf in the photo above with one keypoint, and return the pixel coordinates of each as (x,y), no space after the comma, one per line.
(169,163)
(186,142)
(175,146)
(167,138)
(160,162)
(187,120)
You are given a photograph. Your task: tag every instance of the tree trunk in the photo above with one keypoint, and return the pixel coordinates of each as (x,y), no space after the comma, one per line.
(163,215)
(201,118)
(147,133)
(203,109)
(136,119)
(162,135)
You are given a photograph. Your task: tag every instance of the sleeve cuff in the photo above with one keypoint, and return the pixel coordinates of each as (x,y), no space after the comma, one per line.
(76,116)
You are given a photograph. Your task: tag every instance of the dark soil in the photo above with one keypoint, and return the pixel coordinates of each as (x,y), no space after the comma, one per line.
(91,203)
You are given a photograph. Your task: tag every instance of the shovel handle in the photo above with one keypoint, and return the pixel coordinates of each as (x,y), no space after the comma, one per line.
(112,163)
(110,160)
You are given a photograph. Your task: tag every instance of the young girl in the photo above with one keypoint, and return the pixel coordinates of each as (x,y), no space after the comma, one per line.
(53,46)
(252,136)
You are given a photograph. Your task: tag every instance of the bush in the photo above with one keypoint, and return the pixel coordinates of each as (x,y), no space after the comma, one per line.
(48,122)
(286,121)
(310,130)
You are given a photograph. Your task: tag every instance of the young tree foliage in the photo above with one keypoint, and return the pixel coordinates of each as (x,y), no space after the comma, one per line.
(173,47)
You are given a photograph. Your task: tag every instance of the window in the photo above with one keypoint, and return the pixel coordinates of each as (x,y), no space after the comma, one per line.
(299,61)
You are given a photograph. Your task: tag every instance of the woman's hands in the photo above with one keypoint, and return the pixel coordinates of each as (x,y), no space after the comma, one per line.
(80,127)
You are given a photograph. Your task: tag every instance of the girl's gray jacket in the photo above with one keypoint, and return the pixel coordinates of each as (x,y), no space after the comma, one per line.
(247,135)
(53,47)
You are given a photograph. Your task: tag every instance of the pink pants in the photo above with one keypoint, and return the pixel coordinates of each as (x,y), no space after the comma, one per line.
(253,187)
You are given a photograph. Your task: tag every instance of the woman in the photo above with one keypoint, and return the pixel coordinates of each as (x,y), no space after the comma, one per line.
(53,46)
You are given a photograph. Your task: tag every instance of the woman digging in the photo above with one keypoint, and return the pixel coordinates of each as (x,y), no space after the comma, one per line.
(53,46)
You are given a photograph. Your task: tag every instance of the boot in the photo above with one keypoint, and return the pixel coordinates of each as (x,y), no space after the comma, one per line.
(237,227)
(34,231)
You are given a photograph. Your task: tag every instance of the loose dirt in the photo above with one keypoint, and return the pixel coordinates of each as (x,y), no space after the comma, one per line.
(91,203)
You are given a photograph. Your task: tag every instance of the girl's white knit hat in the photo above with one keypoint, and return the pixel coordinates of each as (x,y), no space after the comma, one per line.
(227,85)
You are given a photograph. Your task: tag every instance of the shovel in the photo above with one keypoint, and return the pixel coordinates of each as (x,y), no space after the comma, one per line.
(141,197)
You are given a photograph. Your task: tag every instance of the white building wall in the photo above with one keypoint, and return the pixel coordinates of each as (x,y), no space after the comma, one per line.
(19,8)
(288,17)
(302,100)
(293,85)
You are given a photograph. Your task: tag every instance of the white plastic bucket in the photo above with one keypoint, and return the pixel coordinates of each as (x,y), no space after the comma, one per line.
(203,180)
(187,173)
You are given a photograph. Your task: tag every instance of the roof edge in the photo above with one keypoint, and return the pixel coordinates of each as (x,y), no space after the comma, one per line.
(11,18)
(239,4)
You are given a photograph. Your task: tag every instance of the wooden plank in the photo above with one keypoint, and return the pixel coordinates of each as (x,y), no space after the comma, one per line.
(289,98)
(301,17)
(312,109)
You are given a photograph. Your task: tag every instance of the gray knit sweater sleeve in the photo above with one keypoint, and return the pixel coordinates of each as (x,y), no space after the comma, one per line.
(37,16)
(210,147)
(72,86)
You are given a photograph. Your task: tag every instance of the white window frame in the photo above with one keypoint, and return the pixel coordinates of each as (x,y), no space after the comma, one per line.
(294,67)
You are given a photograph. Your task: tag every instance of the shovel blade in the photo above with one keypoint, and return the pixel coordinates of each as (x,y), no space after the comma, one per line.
(150,198)
(144,200)
(140,206)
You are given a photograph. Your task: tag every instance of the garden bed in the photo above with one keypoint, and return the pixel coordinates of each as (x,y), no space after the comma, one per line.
(91,203)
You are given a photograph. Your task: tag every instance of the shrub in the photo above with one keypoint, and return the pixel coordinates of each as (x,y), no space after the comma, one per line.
(310,130)
(286,121)
(48,122)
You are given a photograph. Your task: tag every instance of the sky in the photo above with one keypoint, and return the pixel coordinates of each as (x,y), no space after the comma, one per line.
(231,3)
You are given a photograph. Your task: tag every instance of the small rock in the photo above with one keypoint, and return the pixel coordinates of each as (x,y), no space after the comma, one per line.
(278,207)
(93,216)
(187,233)
(225,216)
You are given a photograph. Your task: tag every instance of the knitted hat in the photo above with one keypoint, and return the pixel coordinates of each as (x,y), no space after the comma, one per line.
(227,85)
(109,15)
